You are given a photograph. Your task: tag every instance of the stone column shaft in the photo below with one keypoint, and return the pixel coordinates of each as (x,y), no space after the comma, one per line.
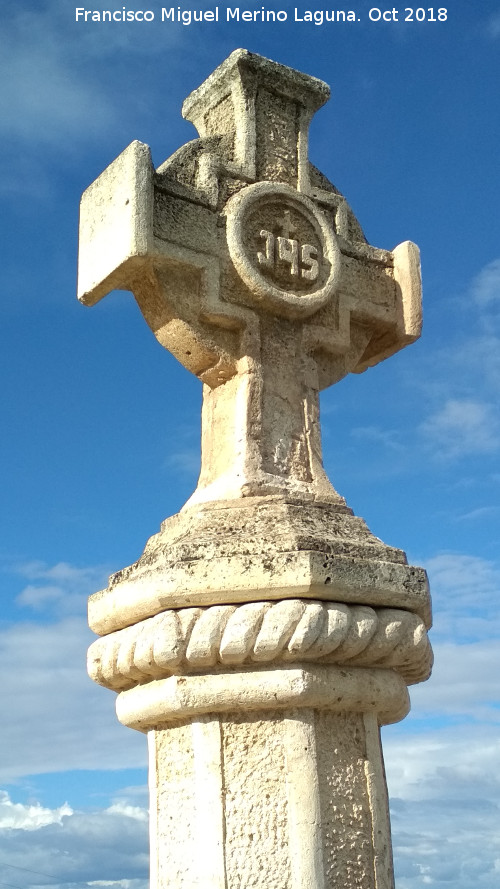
(285,791)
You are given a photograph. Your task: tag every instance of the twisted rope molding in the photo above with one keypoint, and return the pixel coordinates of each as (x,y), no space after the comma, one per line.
(196,639)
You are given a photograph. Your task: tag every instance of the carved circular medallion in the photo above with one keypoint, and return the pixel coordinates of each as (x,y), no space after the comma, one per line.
(283,249)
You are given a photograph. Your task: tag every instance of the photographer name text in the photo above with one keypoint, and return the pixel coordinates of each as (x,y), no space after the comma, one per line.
(180,15)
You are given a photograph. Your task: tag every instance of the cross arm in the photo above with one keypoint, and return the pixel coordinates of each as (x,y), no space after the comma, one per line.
(157,237)
(116,224)
(407,318)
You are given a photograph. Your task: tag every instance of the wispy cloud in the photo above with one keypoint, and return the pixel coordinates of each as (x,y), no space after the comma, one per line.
(389,438)
(466,592)
(118,884)
(465,576)
(58,719)
(463,689)
(186,461)
(480,513)
(464,683)
(63,587)
(66,85)
(459,380)
(53,66)
(493,25)
(485,287)
(47,99)
(442,761)
(462,427)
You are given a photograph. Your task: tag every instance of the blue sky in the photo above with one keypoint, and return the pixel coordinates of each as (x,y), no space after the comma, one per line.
(100,432)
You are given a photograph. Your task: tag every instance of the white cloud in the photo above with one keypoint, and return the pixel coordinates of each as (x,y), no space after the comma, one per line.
(465,638)
(66,85)
(59,719)
(462,427)
(457,761)
(467,578)
(122,808)
(445,806)
(120,884)
(136,796)
(29,817)
(443,782)
(461,378)
(456,414)
(101,848)
(443,844)
(442,761)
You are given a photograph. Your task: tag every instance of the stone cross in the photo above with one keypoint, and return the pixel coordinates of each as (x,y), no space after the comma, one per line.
(251,269)
(265,634)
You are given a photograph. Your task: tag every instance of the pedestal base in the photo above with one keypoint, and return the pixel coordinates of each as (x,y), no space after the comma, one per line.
(260,645)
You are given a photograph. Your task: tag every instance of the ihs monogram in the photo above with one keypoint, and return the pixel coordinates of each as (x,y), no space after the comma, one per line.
(300,260)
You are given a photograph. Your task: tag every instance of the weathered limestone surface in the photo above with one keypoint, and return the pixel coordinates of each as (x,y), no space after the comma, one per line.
(297,802)
(264,634)
(260,548)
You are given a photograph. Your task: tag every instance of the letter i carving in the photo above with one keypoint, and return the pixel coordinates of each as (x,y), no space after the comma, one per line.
(267,259)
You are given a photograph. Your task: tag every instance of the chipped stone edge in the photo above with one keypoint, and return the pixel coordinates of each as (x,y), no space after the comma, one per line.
(306,574)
